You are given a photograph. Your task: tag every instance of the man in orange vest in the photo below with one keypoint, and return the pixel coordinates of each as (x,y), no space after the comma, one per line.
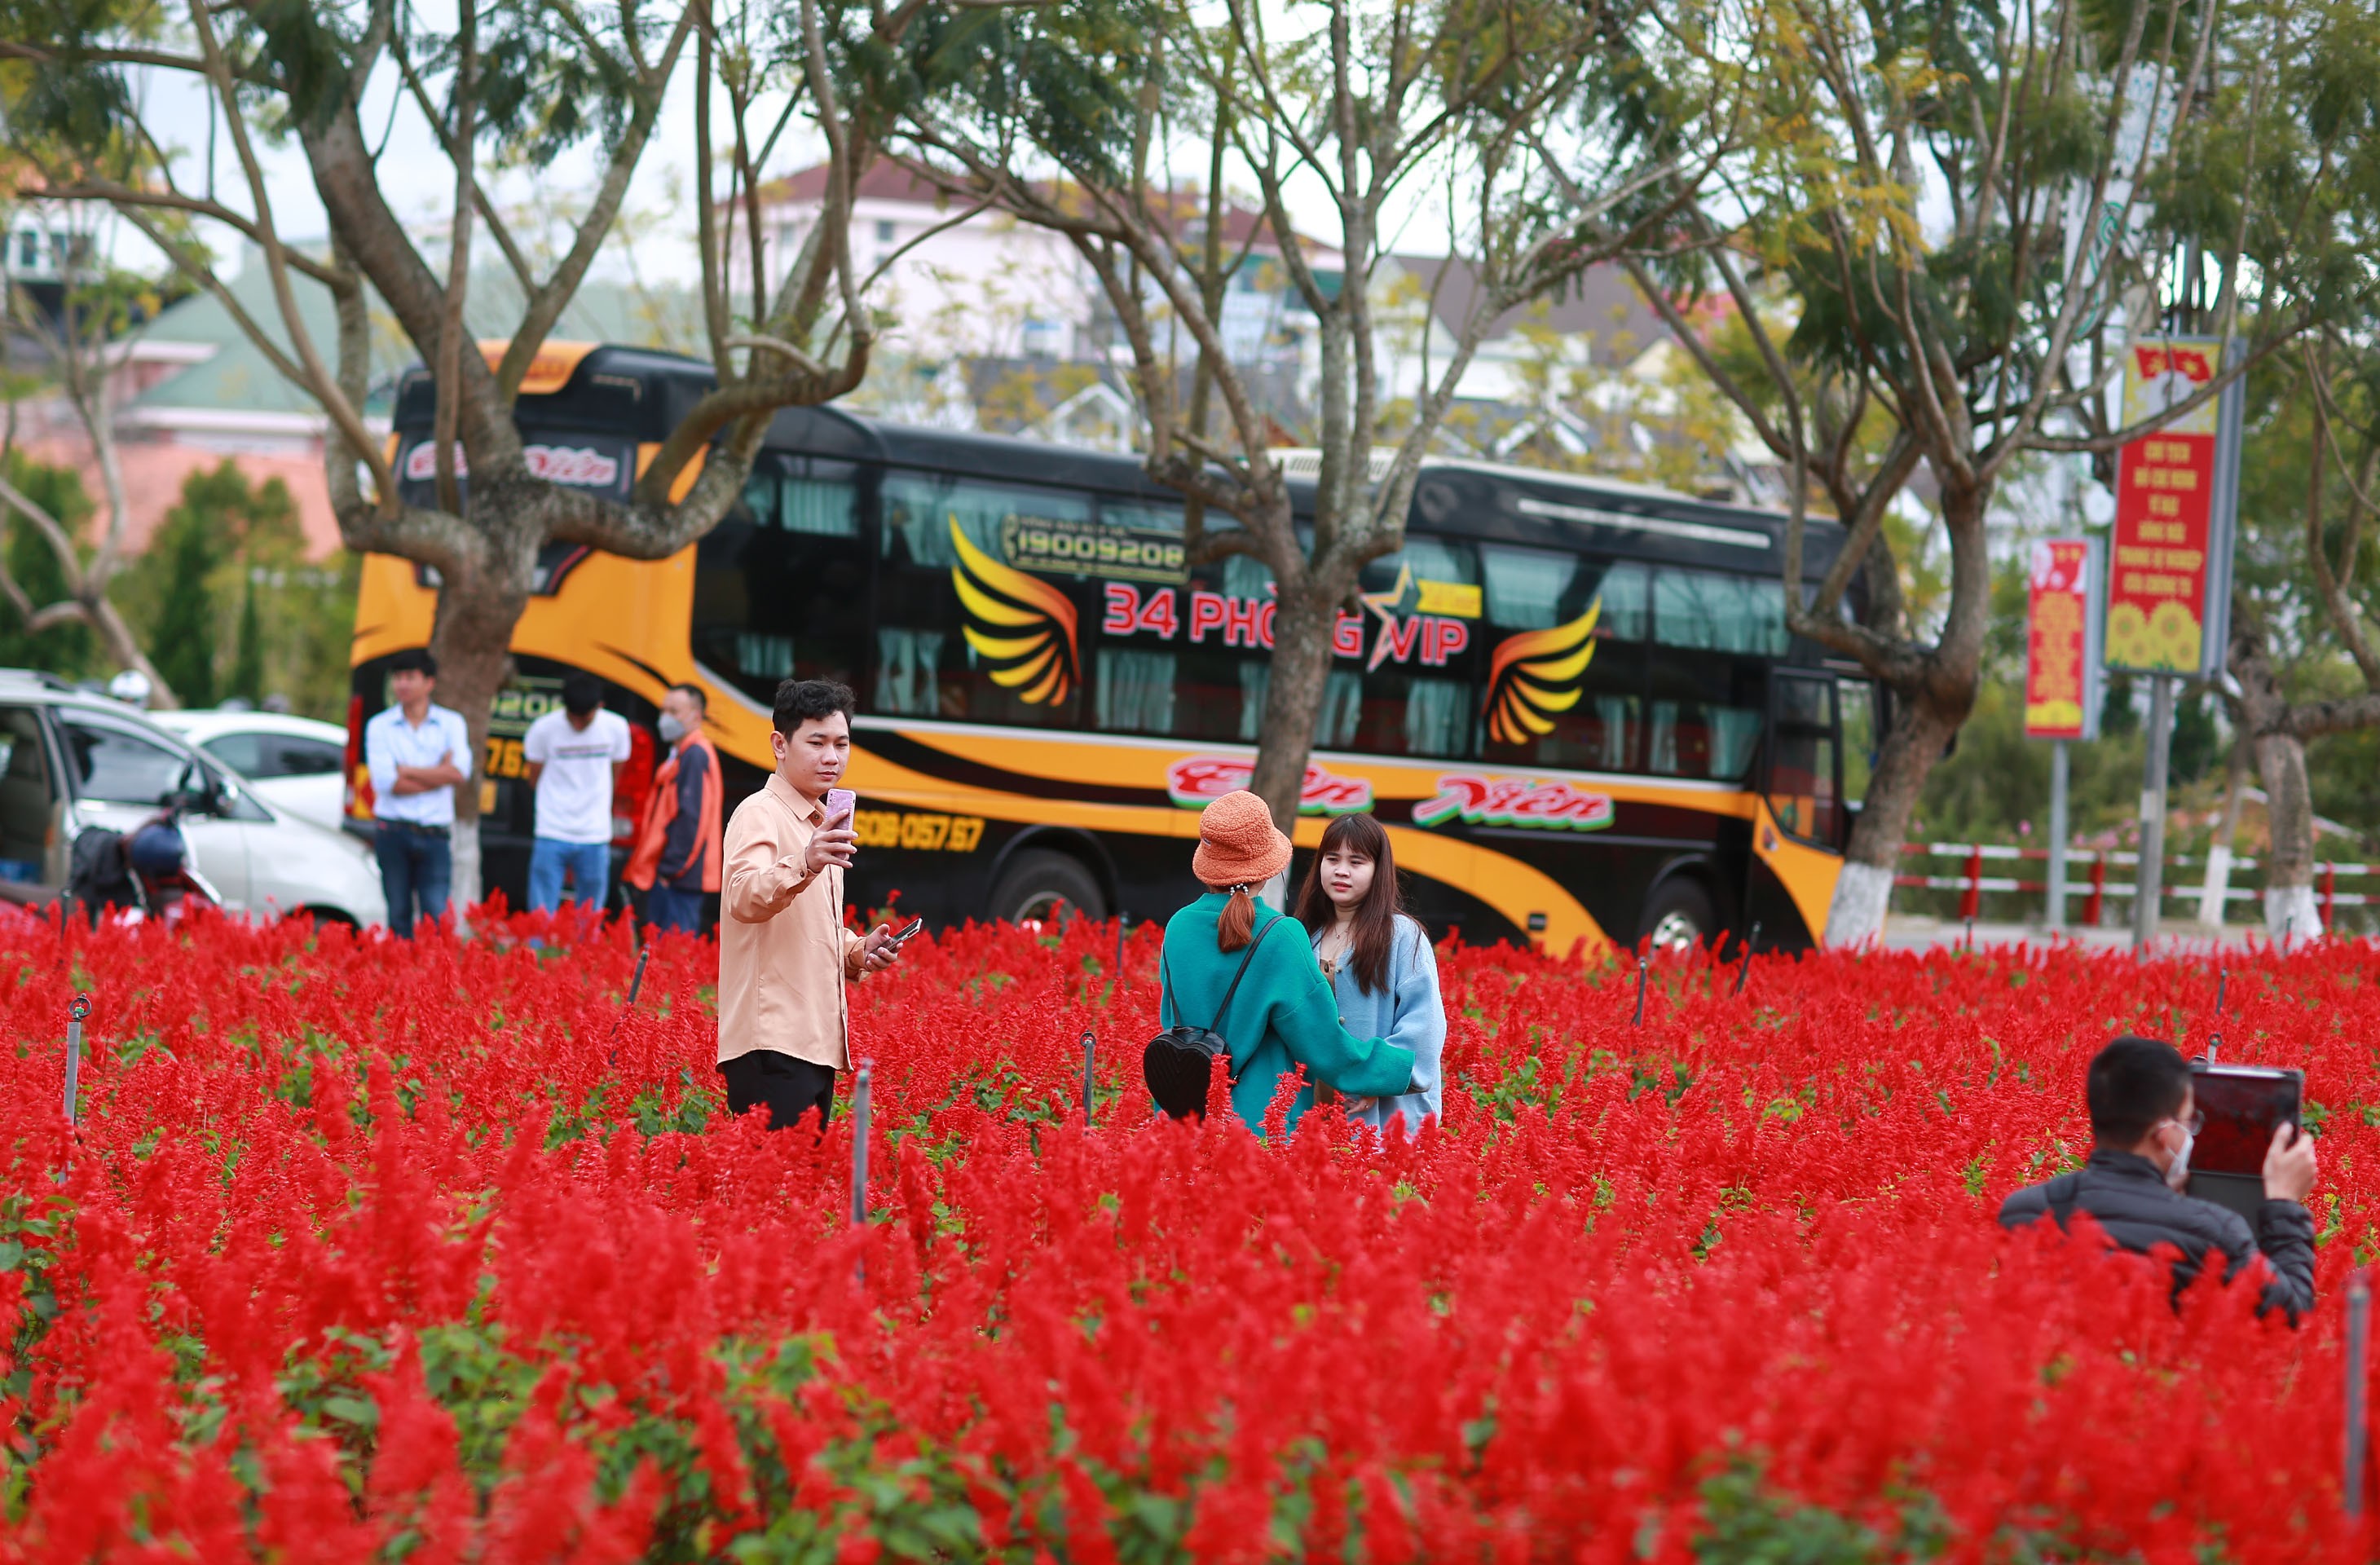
(677,849)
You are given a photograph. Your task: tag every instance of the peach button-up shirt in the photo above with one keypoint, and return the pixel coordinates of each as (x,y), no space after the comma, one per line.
(784,955)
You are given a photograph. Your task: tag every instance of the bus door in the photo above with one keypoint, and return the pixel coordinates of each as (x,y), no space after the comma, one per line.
(1799,824)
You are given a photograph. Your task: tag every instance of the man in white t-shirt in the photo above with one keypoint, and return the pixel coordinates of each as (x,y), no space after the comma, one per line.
(573,757)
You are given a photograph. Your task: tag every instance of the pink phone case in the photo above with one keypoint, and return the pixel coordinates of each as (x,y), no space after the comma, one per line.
(840,803)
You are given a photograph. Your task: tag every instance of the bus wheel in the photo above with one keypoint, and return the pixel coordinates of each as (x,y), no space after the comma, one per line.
(1679,916)
(1040,888)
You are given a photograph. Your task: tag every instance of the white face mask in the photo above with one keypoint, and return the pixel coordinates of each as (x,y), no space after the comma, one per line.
(672,729)
(2177,1174)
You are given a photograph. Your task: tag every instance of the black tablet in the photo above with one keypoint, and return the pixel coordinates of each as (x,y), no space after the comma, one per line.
(2242,1104)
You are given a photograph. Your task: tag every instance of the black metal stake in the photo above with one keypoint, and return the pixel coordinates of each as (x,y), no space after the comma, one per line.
(1640,989)
(635,983)
(1090,1051)
(1746,971)
(1970,935)
(2359,1335)
(637,979)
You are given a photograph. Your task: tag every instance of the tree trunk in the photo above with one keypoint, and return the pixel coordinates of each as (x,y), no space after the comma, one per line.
(477,606)
(1928,710)
(2216,897)
(1915,740)
(1301,670)
(117,637)
(2288,800)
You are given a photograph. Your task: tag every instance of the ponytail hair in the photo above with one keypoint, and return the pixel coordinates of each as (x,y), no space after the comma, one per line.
(1238,924)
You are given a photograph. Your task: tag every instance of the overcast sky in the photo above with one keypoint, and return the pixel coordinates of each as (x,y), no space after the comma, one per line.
(418,181)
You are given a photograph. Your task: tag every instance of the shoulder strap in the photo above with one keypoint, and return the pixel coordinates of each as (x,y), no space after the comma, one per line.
(2061,1193)
(1253,941)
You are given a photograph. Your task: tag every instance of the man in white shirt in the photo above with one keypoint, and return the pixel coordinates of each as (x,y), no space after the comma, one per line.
(417,755)
(573,757)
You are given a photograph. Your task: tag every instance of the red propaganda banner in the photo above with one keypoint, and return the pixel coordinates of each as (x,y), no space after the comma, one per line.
(2170,571)
(2060,678)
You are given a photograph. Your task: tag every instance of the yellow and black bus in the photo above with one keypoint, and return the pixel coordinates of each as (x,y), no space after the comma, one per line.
(1574,703)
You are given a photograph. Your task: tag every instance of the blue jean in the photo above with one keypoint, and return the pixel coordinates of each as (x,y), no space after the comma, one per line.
(590,865)
(668,909)
(415,868)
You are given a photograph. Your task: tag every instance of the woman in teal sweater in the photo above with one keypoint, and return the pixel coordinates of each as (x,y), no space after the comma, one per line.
(1282,1015)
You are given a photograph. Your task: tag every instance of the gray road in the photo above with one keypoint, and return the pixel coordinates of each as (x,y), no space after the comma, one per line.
(1909,932)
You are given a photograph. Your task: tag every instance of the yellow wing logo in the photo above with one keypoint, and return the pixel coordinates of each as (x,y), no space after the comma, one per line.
(1024,628)
(1535,676)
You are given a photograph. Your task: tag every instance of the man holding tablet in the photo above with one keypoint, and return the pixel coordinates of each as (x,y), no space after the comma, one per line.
(784,955)
(2144,1120)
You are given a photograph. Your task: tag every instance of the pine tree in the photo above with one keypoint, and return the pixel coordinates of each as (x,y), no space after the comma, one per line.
(248,656)
(183,645)
(67,649)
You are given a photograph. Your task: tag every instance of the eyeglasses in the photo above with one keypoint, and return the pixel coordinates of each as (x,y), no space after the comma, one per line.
(2196,1123)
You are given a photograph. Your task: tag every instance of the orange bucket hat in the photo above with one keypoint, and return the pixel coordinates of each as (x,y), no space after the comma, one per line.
(1238,845)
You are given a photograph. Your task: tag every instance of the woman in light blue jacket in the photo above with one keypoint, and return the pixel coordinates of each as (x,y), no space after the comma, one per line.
(1380,962)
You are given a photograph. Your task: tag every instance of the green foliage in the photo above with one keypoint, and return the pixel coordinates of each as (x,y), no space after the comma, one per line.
(66,650)
(1994,786)
(228,604)
(248,653)
(182,641)
(1748,1525)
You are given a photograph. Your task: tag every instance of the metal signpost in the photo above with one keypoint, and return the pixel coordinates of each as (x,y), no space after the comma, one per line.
(2063,629)
(2170,577)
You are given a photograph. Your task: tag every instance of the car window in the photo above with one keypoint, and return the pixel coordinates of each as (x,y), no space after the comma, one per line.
(118,767)
(24,796)
(244,804)
(244,753)
(306,757)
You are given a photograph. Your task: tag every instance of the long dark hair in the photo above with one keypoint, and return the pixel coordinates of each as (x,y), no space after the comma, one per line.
(1376,915)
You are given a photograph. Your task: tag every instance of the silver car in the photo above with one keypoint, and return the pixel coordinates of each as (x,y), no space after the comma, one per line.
(295,762)
(70,759)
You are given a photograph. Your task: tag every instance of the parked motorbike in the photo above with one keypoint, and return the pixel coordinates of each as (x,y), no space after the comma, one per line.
(147,872)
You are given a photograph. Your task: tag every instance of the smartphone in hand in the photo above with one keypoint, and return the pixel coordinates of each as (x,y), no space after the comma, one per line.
(907,933)
(840,804)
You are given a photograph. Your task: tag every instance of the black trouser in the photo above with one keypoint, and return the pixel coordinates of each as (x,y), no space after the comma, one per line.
(790,1088)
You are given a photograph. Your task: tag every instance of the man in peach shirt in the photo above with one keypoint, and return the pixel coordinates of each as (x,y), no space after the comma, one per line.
(784,955)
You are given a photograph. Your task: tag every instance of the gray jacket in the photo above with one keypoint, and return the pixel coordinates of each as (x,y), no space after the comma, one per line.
(2131,1201)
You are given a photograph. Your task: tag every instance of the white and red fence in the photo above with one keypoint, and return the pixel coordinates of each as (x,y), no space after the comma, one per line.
(2086,876)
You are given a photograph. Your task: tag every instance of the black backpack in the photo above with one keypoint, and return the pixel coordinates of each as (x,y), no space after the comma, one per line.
(1179,1061)
(99,876)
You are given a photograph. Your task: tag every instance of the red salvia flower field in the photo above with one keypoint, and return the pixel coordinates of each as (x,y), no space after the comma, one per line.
(441,1253)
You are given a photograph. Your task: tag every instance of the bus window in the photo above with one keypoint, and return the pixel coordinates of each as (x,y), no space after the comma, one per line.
(1422,641)
(1715,633)
(963,629)
(1544,709)
(1188,661)
(780,584)
(1334,721)
(1801,771)
(1133,691)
